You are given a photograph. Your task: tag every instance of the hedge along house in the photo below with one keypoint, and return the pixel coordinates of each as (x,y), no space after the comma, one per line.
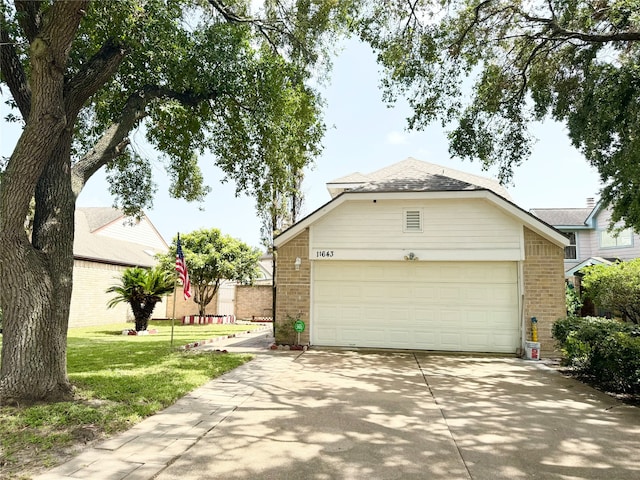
(420,256)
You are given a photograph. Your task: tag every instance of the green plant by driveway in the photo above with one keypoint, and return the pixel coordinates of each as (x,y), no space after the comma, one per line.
(603,351)
(285,331)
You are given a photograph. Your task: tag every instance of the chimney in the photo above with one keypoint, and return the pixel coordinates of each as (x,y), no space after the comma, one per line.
(591,202)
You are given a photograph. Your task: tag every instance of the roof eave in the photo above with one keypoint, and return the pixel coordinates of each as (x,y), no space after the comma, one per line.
(544,229)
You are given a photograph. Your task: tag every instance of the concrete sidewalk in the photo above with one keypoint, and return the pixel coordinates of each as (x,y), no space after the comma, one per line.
(331,414)
(146,449)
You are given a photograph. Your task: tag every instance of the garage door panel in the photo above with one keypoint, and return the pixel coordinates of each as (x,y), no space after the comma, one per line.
(461,306)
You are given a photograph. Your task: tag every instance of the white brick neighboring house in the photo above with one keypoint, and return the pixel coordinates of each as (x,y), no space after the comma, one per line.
(105,244)
(591,241)
(420,256)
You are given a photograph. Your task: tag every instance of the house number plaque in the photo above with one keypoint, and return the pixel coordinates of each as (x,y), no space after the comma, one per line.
(324,253)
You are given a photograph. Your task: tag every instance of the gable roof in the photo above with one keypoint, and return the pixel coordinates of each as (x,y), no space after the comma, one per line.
(417,176)
(90,245)
(411,179)
(98,217)
(588,262)
(563,217)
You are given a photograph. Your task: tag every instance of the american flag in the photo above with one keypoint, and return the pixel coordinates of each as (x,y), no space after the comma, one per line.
(183,274)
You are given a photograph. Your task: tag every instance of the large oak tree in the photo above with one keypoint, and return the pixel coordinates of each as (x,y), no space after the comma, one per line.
(83,75)
(487,69)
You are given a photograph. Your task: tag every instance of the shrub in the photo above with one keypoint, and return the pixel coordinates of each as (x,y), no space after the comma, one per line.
(615,287)
(605,351)
(617,363)
(572,300)
(564,326)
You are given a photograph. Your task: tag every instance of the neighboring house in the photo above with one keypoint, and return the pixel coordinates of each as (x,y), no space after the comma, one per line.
(420,256)
(105,244)
(592,241)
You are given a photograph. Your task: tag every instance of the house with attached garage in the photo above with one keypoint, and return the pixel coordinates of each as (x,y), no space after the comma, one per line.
(420,256)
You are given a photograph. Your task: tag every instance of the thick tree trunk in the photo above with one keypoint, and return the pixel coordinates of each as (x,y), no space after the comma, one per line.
(34,365)
(203,294)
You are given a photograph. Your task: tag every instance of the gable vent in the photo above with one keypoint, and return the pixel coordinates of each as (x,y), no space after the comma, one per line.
(412,221)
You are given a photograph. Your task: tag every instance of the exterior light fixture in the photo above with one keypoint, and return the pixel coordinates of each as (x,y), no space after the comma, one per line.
(411,256)
(297,263)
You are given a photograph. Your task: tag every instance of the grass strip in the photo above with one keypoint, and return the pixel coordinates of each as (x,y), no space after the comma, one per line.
(119,380)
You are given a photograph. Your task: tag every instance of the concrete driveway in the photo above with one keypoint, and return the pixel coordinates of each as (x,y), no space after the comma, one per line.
(370,415)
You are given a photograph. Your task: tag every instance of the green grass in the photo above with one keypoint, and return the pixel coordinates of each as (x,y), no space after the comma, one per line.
(119,380)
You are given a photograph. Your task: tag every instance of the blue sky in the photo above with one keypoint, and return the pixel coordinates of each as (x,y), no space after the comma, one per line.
(362,135)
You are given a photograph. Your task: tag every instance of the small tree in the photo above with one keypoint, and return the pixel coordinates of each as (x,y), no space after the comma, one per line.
(142,289)
(211,258)
(615,287)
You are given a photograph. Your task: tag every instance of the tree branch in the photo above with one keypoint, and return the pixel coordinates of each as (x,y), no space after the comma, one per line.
(13,73)
(565,34)
(29,18)
(114,140)
(262,26)
(98,70)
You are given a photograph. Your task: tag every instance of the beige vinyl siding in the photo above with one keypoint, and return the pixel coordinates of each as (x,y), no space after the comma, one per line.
(142,233)
(452,229)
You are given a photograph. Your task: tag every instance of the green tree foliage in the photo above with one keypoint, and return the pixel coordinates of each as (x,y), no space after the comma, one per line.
(212,258)
(197,75)
(615,287)
(488,69)
(572,300)
(142,289)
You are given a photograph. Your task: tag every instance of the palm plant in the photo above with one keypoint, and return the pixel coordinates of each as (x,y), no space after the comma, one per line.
(142,289)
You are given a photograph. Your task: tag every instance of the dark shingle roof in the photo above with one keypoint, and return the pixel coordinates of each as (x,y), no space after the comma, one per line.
(423,183)
(417,176)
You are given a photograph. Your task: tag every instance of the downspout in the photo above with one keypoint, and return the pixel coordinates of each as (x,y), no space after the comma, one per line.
(522,312)
(274,254)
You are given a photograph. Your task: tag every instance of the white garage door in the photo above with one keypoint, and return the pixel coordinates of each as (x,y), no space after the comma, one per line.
(454,306)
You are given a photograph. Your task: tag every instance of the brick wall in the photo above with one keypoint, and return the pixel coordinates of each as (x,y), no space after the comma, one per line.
(293,288)
(89,297)
(544,288)
(254,300)
(185,307)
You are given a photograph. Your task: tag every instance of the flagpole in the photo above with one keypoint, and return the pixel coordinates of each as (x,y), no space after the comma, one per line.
(183,275)
(173,316)
(175,287)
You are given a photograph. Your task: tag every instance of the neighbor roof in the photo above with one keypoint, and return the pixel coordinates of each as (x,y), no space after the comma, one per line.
(89,245)
(412,175)
(563,217)
(98,217)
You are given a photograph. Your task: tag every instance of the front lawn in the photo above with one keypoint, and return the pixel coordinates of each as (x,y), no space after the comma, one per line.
(119,380)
